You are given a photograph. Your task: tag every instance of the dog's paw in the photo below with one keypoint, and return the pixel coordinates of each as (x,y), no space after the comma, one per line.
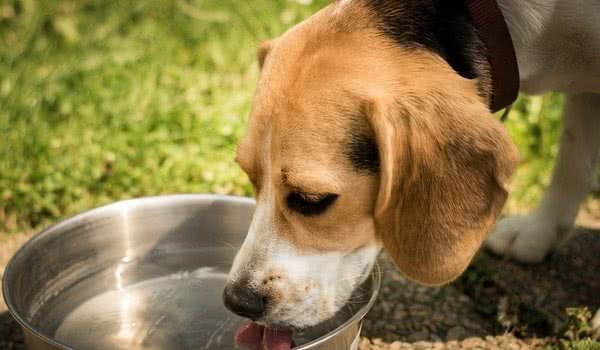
(526,239)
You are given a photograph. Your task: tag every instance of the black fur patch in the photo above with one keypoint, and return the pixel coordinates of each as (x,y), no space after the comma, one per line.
(361,150)
(442,26)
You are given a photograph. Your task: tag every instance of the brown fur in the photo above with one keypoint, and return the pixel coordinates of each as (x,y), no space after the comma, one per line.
(445,162)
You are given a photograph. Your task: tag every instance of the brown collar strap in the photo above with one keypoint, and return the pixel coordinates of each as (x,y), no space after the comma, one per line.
(490,23)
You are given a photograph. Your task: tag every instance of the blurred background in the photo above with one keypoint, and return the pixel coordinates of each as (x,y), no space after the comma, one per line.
(106,100)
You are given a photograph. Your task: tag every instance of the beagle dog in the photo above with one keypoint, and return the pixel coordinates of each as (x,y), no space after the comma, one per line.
(370,129)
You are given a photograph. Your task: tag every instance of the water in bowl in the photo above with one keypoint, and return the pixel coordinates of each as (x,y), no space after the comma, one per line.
(165,301)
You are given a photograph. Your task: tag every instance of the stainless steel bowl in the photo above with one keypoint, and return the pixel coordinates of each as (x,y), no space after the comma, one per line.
(146,274)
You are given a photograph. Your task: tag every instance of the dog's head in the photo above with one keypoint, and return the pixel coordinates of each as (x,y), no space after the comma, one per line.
(355,143)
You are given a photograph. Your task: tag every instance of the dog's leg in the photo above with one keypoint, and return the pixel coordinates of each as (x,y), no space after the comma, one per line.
(596,325)
(530,238)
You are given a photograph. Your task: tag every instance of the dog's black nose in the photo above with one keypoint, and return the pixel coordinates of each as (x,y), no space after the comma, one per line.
(244,301)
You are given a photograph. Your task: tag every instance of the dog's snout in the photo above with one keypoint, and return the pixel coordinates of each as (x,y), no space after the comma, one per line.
(244,301)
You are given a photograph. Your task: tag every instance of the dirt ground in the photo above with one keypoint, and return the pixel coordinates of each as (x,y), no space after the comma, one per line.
(497,304)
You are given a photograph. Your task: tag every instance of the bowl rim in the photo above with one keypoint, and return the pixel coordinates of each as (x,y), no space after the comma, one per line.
(375,276)
(7,277)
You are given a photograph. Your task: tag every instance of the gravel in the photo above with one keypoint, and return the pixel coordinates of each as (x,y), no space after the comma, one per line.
(507,341)
(497,304)
(410,312)
(495,297)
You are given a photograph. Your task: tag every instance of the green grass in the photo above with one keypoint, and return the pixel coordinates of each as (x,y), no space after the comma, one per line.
(106,100)
(535,125)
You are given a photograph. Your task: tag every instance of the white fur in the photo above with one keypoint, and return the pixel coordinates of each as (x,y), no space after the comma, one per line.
(557,43)
(330,277)
(531,238)
(558,49)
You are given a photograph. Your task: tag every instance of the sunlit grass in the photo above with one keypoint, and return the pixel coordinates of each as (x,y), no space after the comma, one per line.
(106,100)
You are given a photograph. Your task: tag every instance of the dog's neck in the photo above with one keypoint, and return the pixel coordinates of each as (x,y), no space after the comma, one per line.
(446,28)
(526,20)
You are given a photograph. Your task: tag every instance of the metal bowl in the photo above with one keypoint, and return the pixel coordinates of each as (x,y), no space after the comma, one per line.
(147,274)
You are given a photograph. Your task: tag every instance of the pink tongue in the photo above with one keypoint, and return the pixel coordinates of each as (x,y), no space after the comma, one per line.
(249,336)
(253,336)
(277,339)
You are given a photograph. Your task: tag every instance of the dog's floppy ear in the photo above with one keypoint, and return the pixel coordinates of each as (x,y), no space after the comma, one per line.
(263,51)
(445,164)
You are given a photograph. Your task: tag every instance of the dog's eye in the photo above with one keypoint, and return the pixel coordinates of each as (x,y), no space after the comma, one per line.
(310,204)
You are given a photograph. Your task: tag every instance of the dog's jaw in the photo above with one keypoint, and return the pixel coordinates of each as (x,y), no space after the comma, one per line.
(322,282)
(303,288)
